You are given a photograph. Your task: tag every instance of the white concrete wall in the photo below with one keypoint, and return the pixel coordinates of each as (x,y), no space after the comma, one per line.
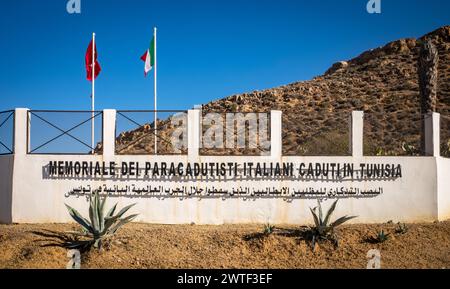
(443,200)
(356,133)
(6,170)
(421,194)
(411,198)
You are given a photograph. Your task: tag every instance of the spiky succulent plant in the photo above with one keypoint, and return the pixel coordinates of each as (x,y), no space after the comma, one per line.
(324,229)
(381,237)
(268,229)
(100,225)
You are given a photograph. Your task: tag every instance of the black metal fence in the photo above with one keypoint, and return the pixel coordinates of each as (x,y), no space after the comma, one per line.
(136,134)
(7,132)
(325,135)
(393,134)
(222,133)
(64,132)
(235,133)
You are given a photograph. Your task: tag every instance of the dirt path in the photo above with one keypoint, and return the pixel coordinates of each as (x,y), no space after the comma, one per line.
(229,246)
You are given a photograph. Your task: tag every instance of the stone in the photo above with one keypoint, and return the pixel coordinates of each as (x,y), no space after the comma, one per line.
(338,66)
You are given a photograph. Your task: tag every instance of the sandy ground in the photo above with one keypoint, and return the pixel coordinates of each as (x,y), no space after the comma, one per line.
(229,246)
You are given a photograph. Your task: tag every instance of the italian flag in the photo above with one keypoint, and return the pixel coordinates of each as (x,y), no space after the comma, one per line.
(149,57)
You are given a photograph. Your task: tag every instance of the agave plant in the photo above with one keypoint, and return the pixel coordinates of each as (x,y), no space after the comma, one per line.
(381,237)
(100,225)
(324,230)
(268,229)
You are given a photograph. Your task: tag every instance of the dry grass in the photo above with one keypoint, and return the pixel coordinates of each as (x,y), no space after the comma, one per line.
(229,246)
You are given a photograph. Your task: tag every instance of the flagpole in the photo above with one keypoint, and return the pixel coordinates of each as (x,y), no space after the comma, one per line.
(155,96)
(93,93)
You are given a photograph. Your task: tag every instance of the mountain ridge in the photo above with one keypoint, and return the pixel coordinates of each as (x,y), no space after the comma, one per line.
(382,82)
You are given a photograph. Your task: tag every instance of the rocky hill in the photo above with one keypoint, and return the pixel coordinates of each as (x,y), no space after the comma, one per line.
(382,82)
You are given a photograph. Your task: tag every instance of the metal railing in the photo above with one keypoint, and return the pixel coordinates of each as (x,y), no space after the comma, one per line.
(135,132)
(69,132)
(387,135)
(235,133)
(7,132)
(64,132)
(323,136)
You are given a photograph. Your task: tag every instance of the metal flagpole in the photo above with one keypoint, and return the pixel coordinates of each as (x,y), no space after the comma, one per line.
(155,93)
(93,93)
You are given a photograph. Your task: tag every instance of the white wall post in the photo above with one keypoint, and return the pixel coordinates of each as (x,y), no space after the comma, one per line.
(109,132)
(432,134)
(275,134)
(356,133)
(21,136)
(193,133)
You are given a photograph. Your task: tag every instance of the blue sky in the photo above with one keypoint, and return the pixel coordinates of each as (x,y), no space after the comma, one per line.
(206,49)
